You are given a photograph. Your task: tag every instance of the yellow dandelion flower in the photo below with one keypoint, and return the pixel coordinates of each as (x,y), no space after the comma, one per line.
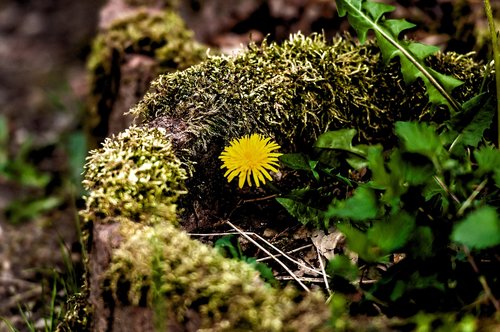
(250,157)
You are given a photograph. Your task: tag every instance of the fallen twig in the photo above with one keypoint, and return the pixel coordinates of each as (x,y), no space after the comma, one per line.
(270,254)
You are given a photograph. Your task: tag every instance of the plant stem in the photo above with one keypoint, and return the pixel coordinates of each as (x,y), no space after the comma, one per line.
(471,198)
(482,280)
(496,58)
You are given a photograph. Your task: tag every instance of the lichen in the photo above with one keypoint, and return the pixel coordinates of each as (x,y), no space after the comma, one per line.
(134,173)
(160,35)
(228,294)
(295,91)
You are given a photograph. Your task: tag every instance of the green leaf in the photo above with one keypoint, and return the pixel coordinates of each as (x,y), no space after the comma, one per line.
(361,206)
(359,243)
(297,161)
(376,163)
(406,173)
(479,230)
(342,266)
(26,209)
(300,161)
(367,15)
(392,233)
(338,140)
(398,290)
(420,138)
(304,213)
(488,159)
(77,152)
(229,246)
(468,126)
(266,273)
(382,239)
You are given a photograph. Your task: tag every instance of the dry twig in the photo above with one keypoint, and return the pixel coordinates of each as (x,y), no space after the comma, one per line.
(270,254)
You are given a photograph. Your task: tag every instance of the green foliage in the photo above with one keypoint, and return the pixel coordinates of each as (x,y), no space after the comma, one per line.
(342,266)
(361,206)
(304,213)
(31,207)
(18,170)
(413,204)
(479,230)
(365,15)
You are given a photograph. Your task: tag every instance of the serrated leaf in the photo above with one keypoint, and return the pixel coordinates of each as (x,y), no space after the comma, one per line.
(380,177)
(229,246)
(355,17)
(304,213)
(419,138)
(382,239)
(469,126)
(405,172)
(473,133)
(297,161)
(420,50)
(266,273)
(377,10)
(488,159)
(479,230)
(398,26)
(367,15)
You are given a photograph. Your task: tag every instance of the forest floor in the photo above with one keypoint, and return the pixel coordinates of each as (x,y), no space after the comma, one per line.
(43,85)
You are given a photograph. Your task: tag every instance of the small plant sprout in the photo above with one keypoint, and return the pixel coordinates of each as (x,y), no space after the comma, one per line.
(250,156)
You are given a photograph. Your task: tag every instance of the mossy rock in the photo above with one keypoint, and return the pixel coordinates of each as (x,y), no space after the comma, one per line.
(295,91)
(160,42)
(291,92)
(180,278)
(134,173)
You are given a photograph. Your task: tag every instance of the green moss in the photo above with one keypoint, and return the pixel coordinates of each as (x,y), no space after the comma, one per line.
(293,92)
(134,173)
(191,276)
(160,35)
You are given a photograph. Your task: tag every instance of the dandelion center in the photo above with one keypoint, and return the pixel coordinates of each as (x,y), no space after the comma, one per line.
(250,157)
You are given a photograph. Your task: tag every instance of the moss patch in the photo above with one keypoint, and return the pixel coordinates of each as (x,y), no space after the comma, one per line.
(162,267)
(295,91)
(160,35)
(134,173)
